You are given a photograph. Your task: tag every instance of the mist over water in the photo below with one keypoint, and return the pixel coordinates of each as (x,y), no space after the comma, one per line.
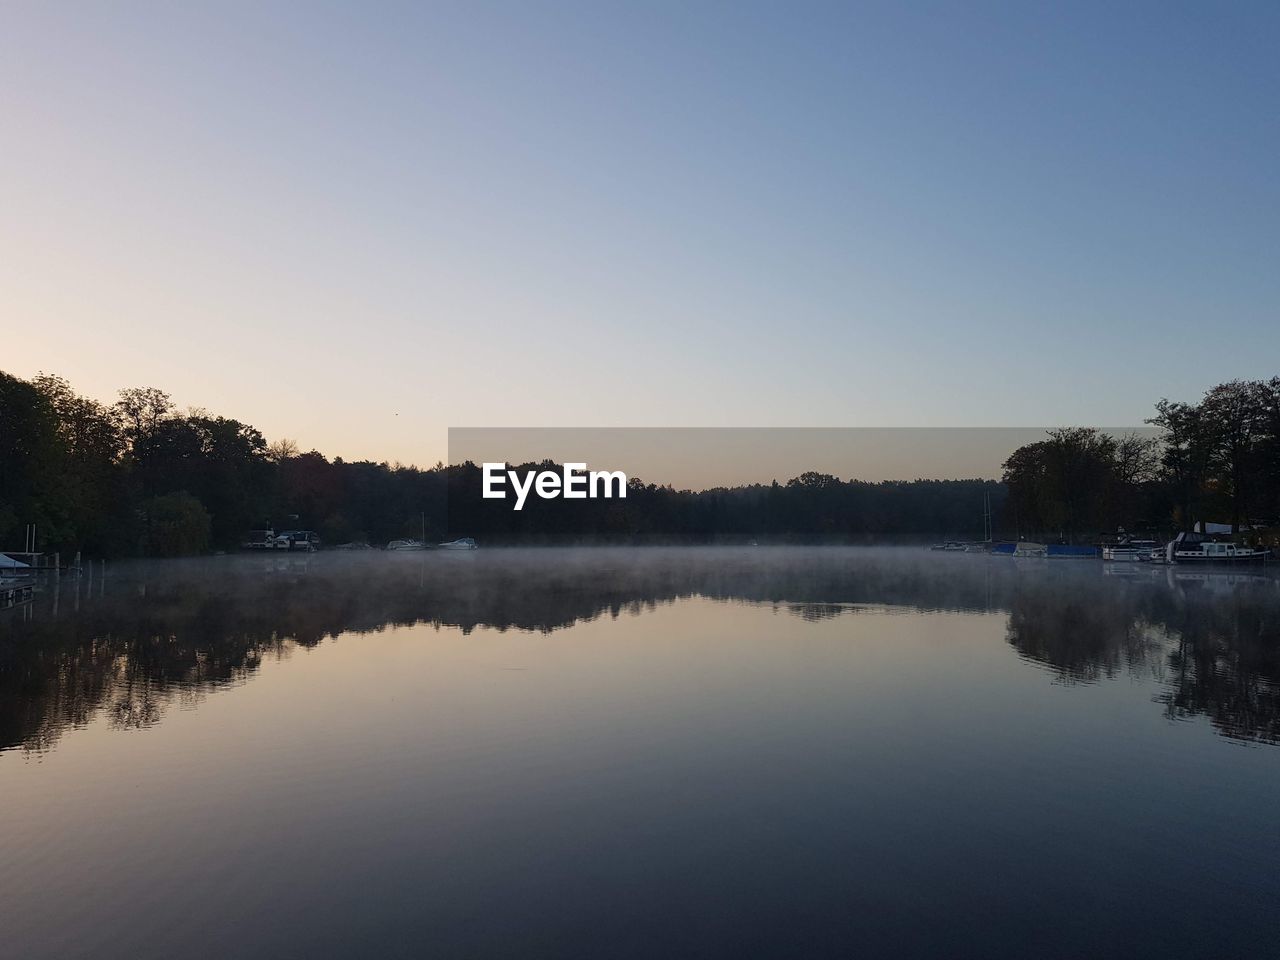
(641,752)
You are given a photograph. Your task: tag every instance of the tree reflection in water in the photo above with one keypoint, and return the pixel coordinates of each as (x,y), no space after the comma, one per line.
(158,633)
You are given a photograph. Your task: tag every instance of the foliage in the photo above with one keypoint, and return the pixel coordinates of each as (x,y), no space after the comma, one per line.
(1217,461)
(175,525)
(139,476)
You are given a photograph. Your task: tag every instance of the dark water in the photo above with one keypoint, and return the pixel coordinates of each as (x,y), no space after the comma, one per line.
(642,753)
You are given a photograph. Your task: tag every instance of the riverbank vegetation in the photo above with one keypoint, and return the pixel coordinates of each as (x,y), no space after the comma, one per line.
(139,477)
(1213,461)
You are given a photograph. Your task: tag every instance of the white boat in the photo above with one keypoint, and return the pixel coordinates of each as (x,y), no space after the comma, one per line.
(1195,548)
(307,541)
(1129,551)
(259,540)
(462,543)
(406,545)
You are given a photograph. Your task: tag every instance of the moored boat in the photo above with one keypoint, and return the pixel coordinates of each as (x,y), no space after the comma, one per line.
(462,543)
(406,545)
(1129,551)
(1196,548)
(307,541)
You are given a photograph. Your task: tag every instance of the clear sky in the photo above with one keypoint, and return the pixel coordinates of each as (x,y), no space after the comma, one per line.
(357,225)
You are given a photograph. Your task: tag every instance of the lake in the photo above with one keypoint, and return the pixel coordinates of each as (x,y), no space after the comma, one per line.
(616,753)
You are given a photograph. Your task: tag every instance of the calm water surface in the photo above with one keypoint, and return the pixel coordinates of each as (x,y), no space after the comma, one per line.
(642,753)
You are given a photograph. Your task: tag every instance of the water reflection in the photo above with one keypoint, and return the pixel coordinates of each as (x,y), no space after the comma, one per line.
(151,636)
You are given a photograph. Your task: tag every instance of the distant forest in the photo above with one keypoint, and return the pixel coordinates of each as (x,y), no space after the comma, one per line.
(141,478)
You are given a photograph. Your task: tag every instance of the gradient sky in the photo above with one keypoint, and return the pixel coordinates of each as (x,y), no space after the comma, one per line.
(357,225)
(700,458)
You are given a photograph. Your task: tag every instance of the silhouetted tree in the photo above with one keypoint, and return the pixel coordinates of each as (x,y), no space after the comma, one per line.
(1238,412)
(90,476)
(1188,437)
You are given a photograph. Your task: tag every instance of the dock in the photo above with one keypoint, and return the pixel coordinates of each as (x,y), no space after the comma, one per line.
(19,572)
(15,593)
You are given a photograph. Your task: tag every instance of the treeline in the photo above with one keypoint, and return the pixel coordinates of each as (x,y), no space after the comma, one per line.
(141,478)
(810,508)
(1213,461)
